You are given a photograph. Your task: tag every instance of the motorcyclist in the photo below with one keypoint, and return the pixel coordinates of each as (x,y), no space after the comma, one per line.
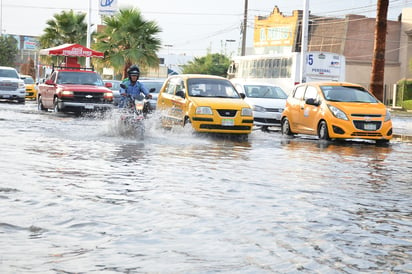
(132,86)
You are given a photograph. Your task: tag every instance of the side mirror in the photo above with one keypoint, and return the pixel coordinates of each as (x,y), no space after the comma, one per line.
(49,82)
(312,102)
(242,95)
(180,93)
(108,85)
(123,86)
(152,90)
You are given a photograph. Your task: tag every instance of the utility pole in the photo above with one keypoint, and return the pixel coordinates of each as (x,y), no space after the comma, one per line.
(243,52)
(378,61)
(88,35)
(304,46)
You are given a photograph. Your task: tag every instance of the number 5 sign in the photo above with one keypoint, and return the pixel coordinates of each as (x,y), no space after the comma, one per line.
(107,7)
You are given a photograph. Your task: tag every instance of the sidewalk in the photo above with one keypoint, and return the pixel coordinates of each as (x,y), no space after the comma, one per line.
(402,125)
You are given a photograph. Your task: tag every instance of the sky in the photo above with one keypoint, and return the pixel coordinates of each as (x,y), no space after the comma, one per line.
(189,27)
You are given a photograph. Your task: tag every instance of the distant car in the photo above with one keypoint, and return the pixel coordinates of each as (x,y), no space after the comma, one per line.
(336,110)
(12,88)
(208,103)
(115,90)
(31,87)
(153,86)
(267,101)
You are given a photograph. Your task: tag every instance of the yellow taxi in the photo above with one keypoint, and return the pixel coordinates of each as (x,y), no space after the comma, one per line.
(209,103)
(31,88)
(336,110)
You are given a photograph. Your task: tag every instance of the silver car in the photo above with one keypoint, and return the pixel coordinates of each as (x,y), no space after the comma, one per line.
(115,90)
(12,88)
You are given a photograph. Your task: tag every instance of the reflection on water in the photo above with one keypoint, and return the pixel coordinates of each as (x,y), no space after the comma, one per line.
(78,198)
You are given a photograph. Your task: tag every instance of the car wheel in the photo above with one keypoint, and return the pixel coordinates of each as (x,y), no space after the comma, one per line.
(56,105)
(40,104)
(323,133)
(21,101)
(186,121)
(285,128)
(265,128)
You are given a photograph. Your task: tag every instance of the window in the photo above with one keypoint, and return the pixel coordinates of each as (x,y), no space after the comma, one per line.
(299,91)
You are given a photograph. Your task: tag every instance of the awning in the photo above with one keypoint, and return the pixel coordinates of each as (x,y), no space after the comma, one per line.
(74,50)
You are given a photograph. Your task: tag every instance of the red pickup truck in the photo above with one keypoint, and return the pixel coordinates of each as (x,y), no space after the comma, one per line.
(74,89)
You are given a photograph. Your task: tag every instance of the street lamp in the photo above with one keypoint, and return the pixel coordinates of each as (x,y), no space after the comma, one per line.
(168,48)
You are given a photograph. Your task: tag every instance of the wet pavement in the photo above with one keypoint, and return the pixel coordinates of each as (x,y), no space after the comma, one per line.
(78,198)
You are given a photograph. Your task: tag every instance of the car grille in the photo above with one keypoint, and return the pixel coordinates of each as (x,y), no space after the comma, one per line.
(206,126)
(89,97)
(264,120)
(274,109)
(366,134)
(8,86)
(227,112)
(366,115)
(361,124)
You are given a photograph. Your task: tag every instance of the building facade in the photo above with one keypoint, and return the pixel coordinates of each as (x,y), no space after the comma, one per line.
(352,36)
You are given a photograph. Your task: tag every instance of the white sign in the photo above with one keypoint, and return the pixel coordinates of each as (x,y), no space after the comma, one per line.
(107,7)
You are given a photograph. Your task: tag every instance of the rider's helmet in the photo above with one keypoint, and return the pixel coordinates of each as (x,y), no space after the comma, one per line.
(133,70)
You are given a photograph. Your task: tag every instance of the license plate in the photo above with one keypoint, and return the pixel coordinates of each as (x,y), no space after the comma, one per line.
(228,122)
(369,126)
(89,106)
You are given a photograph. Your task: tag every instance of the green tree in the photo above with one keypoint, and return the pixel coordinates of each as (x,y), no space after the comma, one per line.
(128,38)
(66,27)
(8,50)
(212,63)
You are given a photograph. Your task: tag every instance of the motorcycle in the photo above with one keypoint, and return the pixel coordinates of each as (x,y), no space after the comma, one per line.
(132,115)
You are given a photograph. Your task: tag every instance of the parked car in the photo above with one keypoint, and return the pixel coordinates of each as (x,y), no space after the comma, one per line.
(209,103)
(267,101)
(115,90)
(31,87)
(12,88)
(336,110)
(154,86)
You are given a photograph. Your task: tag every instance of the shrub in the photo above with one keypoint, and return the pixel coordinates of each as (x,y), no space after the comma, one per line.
(407,104)
(404,92)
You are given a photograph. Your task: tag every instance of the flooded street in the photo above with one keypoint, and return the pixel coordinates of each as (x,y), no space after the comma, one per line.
(78,198)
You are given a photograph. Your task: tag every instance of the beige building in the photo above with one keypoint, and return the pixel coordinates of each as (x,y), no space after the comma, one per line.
(352,36)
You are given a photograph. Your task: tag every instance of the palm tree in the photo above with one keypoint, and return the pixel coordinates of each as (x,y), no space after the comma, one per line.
(126,39)
(66,27)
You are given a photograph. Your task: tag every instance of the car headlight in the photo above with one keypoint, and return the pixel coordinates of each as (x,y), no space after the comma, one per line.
(338,113)
(22,85)
(259,108)
(247,112)
(387,116)
(66,93)
(204,110)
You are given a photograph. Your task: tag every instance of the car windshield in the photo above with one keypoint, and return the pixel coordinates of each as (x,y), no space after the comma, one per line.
(264,91)
(9,73)
(347,94)
(199,87)
(28,80)
(77,77)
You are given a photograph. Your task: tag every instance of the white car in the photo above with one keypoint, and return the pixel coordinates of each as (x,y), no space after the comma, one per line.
(267,101)
(12,88)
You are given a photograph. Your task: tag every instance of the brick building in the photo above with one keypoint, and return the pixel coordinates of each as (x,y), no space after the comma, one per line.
(352,36)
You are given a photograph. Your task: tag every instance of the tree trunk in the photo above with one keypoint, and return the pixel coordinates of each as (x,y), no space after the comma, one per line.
(378,61)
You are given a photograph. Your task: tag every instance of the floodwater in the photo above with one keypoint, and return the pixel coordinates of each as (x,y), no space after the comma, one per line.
(75,197)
